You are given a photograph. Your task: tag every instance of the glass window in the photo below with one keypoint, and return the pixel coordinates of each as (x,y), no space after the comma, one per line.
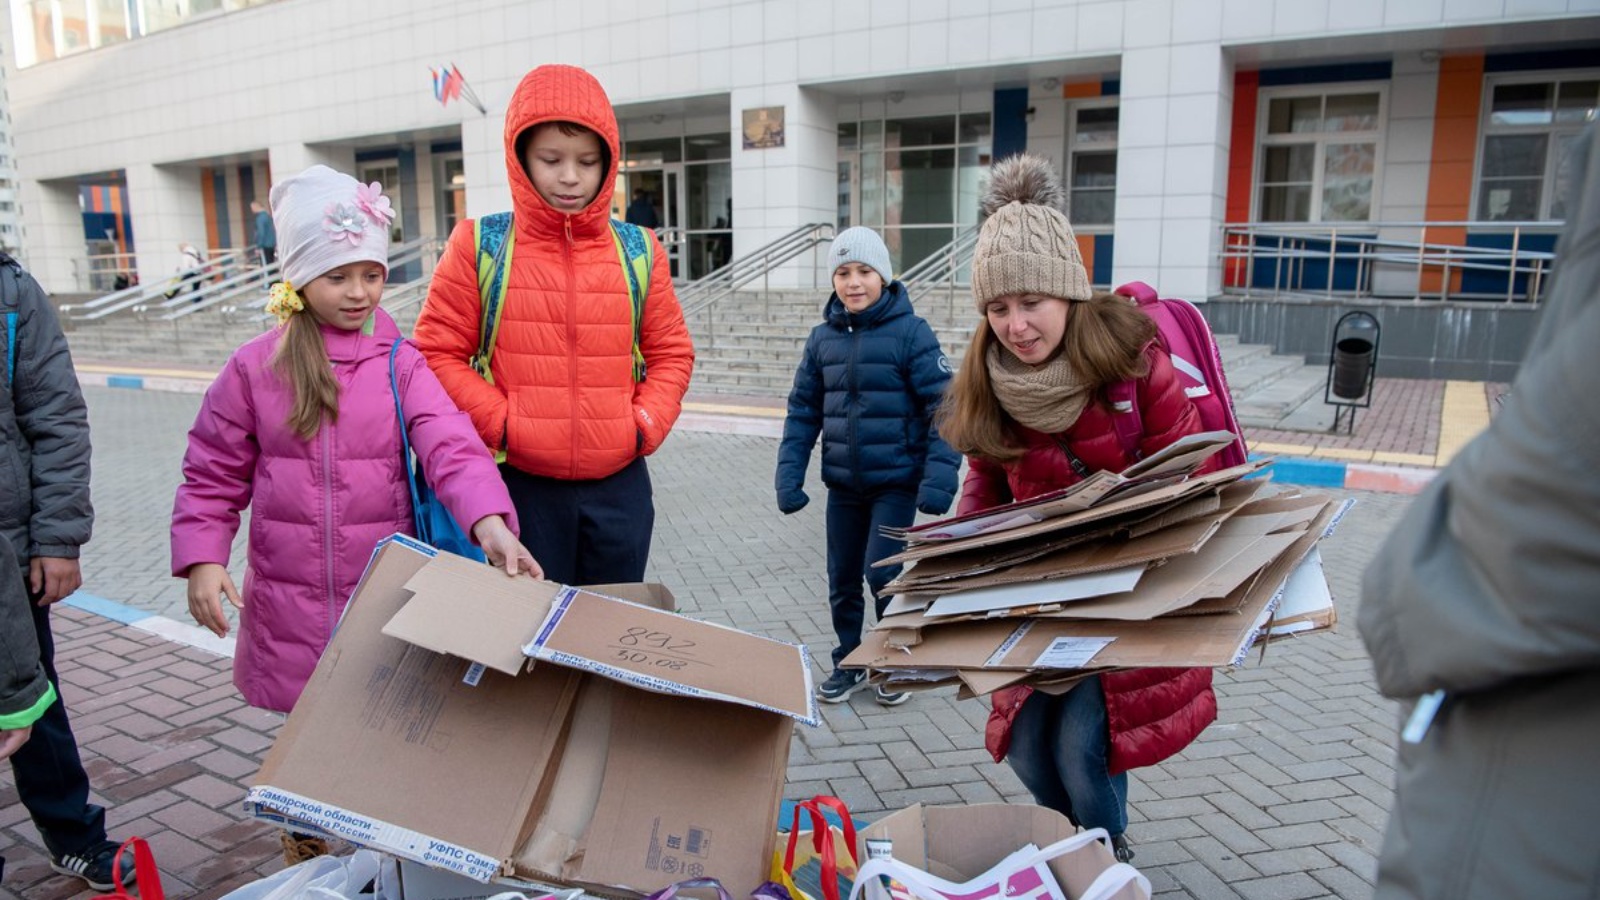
(1092,166)
(929,131)
(1527,132)
(1319,156)
(916,179)
(707,146)
(657,151)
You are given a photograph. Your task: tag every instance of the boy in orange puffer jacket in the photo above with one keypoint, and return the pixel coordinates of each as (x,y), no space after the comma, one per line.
(562,402)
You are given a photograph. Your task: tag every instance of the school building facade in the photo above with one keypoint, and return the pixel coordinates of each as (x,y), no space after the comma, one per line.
(1190,133)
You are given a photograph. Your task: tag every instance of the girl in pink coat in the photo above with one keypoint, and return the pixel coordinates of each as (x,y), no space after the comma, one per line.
(300,426)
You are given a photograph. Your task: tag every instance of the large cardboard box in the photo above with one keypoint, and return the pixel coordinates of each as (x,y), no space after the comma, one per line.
(958,843)
(643,748)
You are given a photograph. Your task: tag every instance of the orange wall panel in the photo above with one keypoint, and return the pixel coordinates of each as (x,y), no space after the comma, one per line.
(1455,148)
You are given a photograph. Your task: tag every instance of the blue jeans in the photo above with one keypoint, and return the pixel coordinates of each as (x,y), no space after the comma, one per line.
(854,544)
(1060,748)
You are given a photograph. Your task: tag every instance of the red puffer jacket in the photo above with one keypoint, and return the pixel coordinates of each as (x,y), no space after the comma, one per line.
(1152,713)
(563,402)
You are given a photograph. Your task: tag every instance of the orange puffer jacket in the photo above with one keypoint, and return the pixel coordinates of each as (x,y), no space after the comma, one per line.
(563,403)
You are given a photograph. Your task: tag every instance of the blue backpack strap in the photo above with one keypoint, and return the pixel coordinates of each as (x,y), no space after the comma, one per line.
(418,520)
(8,302)
(494,239)
(636,252)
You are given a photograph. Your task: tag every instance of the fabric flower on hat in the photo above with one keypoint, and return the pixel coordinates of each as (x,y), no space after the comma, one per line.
(370,199)
(344,222)
(284,301)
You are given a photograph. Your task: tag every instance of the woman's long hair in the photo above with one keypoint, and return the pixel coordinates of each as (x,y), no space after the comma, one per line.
(1104,342)
(302,361)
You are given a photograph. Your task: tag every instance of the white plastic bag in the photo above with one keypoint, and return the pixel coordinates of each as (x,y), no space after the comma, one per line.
(924,886)
(318,878)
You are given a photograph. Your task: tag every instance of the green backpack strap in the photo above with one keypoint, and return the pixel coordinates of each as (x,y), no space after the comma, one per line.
(636,252)
(495,238)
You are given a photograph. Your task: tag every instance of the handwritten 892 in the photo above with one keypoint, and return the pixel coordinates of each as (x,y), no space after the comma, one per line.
(655,648)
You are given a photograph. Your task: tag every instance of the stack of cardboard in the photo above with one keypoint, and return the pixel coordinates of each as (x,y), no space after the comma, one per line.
(1153,566)
(642,748)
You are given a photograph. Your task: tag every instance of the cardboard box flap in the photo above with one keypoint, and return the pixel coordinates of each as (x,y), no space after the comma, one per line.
(379,712)
(473,611)
(672,654)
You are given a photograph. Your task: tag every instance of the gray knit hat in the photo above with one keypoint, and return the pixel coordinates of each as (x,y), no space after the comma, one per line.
(1026,246)
(861,245)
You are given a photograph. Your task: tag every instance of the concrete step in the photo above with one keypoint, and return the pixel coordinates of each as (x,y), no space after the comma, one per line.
(1270,405)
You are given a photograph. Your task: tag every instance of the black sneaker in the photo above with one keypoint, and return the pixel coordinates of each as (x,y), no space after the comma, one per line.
(1120,848)
(94,865)
(841,684)
(891,698)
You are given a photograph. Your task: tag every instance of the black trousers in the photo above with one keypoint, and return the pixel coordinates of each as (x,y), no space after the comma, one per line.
(50,778)
(586,532)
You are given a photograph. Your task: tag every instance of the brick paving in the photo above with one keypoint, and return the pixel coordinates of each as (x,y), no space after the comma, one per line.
(1284,797)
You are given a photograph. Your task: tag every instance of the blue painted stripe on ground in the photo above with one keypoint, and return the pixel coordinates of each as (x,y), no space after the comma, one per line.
(110,609)
(1310,472)
(125,381)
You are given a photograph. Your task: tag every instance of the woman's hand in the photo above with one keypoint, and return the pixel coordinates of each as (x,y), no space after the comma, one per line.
(208,583)
(503,548)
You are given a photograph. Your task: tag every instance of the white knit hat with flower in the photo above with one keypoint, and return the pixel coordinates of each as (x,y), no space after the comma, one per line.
(326,219)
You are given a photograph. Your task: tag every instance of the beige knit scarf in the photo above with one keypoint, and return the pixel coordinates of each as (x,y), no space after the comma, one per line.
(1046,397)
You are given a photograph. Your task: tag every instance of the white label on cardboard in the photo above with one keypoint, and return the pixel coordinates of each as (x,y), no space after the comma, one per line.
(1011,641)
(474,674)
(1070,652)
(370,832)
(1338,516)
(879,848)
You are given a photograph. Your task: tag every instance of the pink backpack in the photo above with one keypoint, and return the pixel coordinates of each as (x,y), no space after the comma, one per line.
(1186,337)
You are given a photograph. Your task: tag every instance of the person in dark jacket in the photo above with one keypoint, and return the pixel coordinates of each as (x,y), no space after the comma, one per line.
(45,517)
(870,381)
(1029,408)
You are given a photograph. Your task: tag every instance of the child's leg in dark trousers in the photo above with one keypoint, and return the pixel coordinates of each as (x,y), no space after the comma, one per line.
(586,532)
(853,544)
(891,508)
(1060,749)
(50,778)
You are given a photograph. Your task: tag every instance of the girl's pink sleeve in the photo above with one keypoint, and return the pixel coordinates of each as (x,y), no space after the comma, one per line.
(458,465)
(218,469)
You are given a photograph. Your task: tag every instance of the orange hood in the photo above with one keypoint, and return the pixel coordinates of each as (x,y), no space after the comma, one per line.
(557,93)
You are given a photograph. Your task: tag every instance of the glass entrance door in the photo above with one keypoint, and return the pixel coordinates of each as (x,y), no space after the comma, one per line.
(656,202)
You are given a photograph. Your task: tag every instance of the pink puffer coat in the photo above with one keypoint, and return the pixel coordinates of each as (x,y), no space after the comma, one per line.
(317,507)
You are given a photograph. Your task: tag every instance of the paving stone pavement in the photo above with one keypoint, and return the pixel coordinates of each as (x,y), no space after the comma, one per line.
(1284,797)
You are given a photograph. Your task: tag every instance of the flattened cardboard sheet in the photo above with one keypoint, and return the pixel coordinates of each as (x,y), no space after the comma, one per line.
(672,654)
(1130,509)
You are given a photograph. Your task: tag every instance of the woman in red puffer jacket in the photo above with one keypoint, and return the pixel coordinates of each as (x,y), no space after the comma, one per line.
(1029,409)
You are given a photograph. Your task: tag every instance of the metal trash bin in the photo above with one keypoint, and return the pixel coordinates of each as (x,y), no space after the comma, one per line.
(1352,365)
(1352,360)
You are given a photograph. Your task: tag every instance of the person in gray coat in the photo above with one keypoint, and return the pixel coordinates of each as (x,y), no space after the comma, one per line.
(1482,615)
(45,517)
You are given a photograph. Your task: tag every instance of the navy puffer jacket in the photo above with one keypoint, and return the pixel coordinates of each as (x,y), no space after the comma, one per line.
(869,384)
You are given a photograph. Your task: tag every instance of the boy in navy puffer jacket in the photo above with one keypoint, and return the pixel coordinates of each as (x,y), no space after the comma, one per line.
(872,376)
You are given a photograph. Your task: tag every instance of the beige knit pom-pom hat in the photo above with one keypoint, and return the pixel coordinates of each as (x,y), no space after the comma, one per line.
(1026,245)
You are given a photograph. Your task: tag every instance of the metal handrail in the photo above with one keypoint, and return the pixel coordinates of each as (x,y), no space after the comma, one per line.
(941,267)
(723,282)
(140,297)
(1374,245)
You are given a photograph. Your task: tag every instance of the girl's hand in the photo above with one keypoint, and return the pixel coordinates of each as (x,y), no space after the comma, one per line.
(502,547)
(208,583)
